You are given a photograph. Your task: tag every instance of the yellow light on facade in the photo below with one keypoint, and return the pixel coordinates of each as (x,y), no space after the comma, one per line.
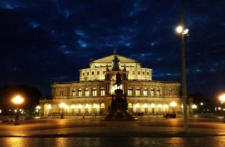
(159,106)
(49,106)
(152,105)
(73,107)
(17,100)
(145,106)
(165,106)
(194,106)
(62,105)
(87,106)
(102,105)
(136,106)
(173,104)
(96,106)
(79,106)
(222,98)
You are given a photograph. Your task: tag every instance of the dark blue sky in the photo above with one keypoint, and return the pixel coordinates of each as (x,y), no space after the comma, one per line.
(42,41)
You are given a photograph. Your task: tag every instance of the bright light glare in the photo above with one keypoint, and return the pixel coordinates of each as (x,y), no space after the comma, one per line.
(62,105)
(18,100)
(179,29)
(173,104)
(194,106)
(185,31)
(222,98)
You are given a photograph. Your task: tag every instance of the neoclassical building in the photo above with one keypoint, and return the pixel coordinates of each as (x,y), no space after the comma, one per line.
(92,94)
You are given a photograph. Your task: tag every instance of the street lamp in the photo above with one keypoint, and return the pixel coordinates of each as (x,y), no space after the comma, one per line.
(62,106)
(222,98)
(183,32)
(17,101)
(173,105)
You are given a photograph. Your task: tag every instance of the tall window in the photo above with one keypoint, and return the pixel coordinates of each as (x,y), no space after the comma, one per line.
(74,92)
(145,92)
(94,92)
(152,92)
(138,92)
(102,92)
(157,92)
(98,72)
(133,72)
(86,92)
(93,73)
(129,92)
(79,92)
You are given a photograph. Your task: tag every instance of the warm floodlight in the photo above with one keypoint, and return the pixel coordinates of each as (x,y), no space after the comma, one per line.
(173,104)
(194,106)
(17,100)
(222,98)
(181,30)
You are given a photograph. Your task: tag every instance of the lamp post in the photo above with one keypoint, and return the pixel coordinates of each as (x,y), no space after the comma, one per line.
(173,105)
(62,106)
(222,100)
(183,32)
(17,101)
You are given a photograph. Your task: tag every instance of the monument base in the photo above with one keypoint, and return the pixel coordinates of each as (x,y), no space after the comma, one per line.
(119,116)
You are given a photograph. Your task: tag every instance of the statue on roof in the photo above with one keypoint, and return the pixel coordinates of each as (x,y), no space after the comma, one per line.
(116,62)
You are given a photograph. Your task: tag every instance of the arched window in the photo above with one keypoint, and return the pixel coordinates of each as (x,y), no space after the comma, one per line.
(86,92)
(102,92)
(73,92)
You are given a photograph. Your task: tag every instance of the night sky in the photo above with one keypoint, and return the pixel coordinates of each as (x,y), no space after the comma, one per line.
(42,41)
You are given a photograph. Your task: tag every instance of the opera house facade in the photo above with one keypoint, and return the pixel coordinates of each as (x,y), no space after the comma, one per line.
(92,94)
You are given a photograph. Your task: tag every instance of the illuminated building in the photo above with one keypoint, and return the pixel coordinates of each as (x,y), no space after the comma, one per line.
(92,94)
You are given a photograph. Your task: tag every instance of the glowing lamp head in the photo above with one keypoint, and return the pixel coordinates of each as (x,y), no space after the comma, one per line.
(18,100)
(49,106)
(173,104)
(194,106)
(179,29)
(222,98)
(62,105)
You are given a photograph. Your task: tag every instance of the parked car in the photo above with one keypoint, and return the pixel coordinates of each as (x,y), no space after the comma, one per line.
(170,115)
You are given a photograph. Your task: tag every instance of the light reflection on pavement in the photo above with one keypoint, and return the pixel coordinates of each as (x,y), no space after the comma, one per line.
(112,142)
(72,132)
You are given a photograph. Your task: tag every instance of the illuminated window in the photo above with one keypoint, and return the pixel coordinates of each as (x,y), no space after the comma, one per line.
(138,92)
(102,92)
(94,92)
(74,92)
(145,92)
(129,92)
(79,92)
(157,92)
(152,92)
(86,92)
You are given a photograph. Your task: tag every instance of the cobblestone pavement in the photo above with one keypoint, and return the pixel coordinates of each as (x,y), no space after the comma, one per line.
(151,132)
